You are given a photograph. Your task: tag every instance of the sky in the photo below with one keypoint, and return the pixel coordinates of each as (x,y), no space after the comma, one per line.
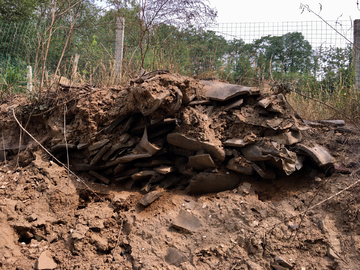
(233,11)
(252,19)
(267,17)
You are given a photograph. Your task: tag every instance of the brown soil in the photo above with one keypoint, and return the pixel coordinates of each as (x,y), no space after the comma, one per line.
(84,224)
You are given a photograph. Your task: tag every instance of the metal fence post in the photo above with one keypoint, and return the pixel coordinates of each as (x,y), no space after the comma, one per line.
(119,47)
(357,53)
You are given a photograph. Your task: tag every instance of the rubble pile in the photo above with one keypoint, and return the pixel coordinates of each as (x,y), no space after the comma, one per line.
(203,135)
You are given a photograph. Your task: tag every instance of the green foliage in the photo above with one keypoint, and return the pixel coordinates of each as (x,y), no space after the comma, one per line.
(188,50)
(336,67)
(17,10)
(284,54)
(12,76)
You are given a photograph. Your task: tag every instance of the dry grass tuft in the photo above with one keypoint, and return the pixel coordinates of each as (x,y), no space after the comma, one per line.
(341,105)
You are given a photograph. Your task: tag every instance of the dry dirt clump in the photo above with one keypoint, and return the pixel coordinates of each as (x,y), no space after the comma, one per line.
(175,173)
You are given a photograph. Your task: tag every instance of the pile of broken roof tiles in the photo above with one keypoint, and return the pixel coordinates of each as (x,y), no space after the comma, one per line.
(164,142)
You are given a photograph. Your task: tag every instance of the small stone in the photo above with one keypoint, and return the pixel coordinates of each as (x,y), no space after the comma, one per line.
(42,187)
(31,217)
(100,243)
(186,221)
(282,262)
(51,238)
(175,257)
(164,169)
(293,226)
(245,188)
(320,224)
(79,232)
(27,235)
(45,262)
(120,198)
(96,223)
(151,197)
(317,179)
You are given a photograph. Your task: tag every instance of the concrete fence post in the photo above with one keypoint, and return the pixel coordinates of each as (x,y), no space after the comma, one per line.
(119,47)
(29,76)
(75,66)
(357,53)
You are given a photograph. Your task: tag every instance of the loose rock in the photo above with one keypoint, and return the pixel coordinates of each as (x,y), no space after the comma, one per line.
(151,197)
(175,257)
(186,221)
(45,262)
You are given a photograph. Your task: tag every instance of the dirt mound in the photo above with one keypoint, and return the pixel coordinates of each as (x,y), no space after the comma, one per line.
(254,166)
(165,126)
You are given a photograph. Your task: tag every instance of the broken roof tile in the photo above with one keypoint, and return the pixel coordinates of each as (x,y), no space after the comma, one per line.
(201,162)
(223,91)
(317,153)
(192,144)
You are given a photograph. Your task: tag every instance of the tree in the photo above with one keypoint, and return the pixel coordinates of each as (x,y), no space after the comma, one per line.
(18,10)
(289,53)
(179,13)
(241,69)
(206,50)
(336,67)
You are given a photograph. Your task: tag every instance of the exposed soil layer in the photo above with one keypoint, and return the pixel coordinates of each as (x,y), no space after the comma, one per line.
(53,219)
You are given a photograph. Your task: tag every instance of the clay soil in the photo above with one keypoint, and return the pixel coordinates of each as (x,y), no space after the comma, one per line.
(82,223)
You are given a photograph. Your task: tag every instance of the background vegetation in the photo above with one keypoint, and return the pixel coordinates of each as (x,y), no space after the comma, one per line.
(47,34)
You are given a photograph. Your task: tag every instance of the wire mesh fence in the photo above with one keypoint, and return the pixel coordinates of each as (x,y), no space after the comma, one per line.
(246,53)
(318,33)
(25,44)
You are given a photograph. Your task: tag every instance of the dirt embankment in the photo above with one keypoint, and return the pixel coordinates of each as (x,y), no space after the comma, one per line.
(171,174)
